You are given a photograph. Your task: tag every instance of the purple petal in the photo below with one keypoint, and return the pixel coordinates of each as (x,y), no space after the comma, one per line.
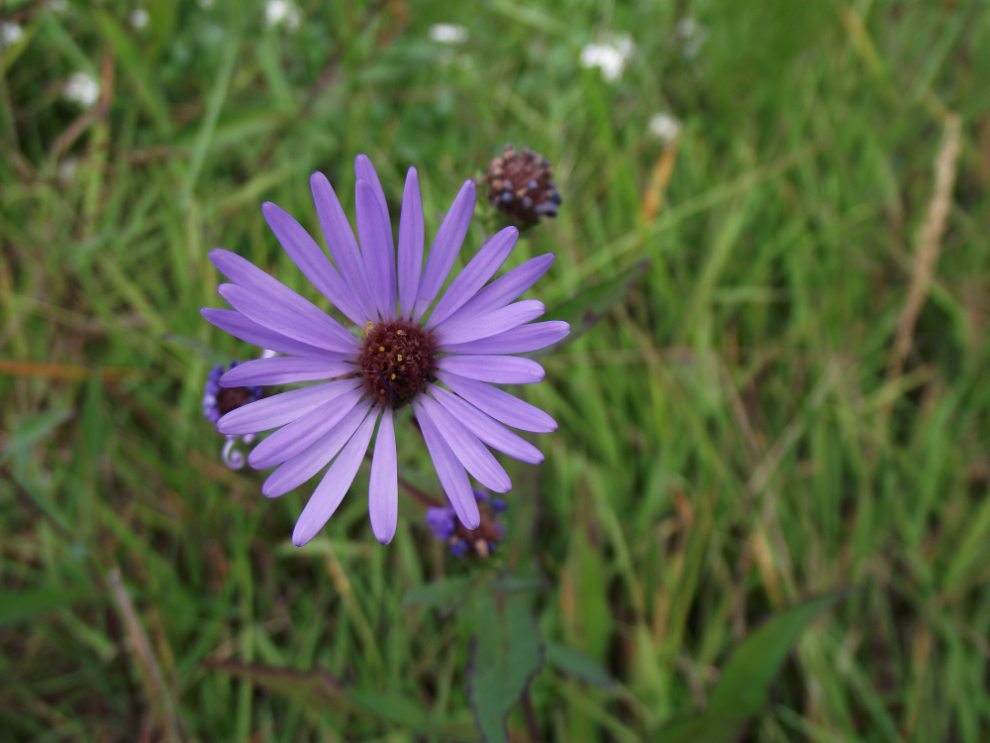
(518,340)
(494,369)
(481,268)
(304,431)
(340,240)
(312,261)
(486,428)
(335,484)
(278,410)
(383,491)
(501,291)
(499,404)
(452,475)
(284,370)
(311,325)
(375,235)
(468,449)
(247,330)
(364,170)
(499,321)
(294,472)
(410,244)
(445,248)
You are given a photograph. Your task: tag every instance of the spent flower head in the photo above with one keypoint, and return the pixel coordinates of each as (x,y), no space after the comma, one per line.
(521,186)
(406,349)
(448,33)
(609,55)
(10,33)
(483,540)
(282,12)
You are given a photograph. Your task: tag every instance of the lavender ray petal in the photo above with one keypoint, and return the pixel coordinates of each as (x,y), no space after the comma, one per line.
(312,261)
(486,428)
(335,484)
(446,246)
(481,268)
(247,330)
(375,235)
(501,291)
(494,369)
(518,340)
(468,449)
(297,470)
(304,431)
(313,326)
(452,475)
(365,170)
(383,490)
(284,370)
(499,321)
(340,240)
(499,404)
(410,244)
(275,411)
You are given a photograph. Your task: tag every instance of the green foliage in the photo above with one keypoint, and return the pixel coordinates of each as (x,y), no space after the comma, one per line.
(506,652)
(743,686)
(729,437)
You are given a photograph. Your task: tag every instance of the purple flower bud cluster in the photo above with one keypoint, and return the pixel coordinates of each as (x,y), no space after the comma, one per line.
(483,540)
(218,401)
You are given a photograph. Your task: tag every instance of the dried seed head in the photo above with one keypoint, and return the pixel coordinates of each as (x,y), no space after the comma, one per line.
(521,186)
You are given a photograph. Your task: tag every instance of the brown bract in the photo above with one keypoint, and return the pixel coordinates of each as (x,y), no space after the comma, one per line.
(396,361)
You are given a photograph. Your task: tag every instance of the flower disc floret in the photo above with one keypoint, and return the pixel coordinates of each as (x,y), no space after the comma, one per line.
(396,362)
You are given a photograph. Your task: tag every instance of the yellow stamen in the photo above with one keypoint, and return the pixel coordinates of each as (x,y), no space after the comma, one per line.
(381,349)
(399,357)
(400,332)
(393,376)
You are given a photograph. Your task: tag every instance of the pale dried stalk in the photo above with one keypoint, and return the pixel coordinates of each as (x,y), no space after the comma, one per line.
(137,642)
(929,244)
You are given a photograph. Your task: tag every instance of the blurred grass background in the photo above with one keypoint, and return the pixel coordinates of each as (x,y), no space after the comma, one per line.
(740,433)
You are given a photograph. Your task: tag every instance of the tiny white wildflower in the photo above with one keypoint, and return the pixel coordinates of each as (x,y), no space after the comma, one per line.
(82,88)
(58,6)
(139,18)
(665,127)
(66,170)
(692,34)
(607,58)
(448,33)
(282,12)
(10,33)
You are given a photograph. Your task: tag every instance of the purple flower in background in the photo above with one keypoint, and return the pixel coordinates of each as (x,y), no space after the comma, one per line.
(401,355)
(218,401)
(484,538)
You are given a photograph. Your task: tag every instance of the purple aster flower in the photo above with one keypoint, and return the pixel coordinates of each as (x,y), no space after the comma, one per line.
(401,353)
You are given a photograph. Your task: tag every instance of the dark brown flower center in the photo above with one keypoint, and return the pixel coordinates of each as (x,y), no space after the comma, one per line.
(231,398)
(396,361)
(521,185)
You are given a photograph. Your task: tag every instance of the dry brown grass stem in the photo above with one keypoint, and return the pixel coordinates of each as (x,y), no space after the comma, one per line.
(929,244)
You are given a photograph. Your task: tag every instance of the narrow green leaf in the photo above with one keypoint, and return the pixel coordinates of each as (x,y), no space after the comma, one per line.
(442,594)
(20,605)
(572,662)
(742,689)
(31,430)
(318,689)
(506,652)
(584,310)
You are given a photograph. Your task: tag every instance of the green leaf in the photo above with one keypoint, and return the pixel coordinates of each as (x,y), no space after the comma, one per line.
(743,687)
(572,662)
(584,310)
(31,430)
(19,605)
(505,654)
(318,689)
(443,594)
